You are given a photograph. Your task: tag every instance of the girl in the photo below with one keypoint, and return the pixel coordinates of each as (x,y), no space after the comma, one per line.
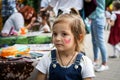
(44,21)
(66,62)
(114,37)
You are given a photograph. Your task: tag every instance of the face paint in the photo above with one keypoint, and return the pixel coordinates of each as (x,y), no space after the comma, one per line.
(67,40)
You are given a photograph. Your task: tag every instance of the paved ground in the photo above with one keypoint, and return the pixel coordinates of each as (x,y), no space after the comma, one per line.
(114,64)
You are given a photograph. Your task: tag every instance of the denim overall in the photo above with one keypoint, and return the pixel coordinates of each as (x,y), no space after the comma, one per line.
(73,72)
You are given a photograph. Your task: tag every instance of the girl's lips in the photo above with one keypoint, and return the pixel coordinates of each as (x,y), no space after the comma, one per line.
(58,44)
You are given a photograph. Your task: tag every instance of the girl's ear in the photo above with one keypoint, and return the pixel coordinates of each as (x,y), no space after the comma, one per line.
(80,37)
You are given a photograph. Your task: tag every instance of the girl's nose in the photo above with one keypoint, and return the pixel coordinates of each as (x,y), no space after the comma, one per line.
(58,37)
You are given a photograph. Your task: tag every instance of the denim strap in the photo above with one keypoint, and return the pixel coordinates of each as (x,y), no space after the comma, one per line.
(78,58)
(53,56)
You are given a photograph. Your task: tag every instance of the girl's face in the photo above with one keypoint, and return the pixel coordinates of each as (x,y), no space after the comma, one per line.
(29,15)
(63,38)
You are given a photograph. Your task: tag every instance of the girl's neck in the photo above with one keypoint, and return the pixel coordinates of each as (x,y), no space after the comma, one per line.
(66,53)
(66,59)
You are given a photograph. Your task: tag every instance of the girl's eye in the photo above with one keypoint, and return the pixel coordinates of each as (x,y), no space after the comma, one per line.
(54,34)
(64,34)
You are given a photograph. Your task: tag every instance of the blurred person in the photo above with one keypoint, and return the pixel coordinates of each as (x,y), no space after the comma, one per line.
(107,15)
(44,22)
(97,33)
(114,37)
(8,8)
(19,4)
(45,4)
(89,7)
(19,20)
(63,6)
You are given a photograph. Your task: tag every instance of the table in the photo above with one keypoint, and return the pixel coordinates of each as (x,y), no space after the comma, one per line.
(23,68)
(30,38)
(17,69)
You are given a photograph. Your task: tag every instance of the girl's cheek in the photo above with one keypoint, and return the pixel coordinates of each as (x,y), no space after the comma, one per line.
(67,40)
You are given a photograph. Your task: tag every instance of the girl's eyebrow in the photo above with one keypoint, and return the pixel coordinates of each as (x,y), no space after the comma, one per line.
(61,31)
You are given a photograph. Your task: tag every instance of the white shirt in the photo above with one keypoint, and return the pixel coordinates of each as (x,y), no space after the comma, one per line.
(65,5)
(41,29)
(45,3)
(86,64)
(16,21)
(113,16)
(107,14)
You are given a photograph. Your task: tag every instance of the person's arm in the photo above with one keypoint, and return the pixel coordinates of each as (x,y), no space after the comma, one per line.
(46,8)
(111,23)
(112,19)
(87,69)
(41,76)
(31,23)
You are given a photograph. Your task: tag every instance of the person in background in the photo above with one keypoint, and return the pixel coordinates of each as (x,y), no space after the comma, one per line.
(19,4)
(97,33)
(67,61)
(8,8)
(44,22)
(44,17)
(45,4)
(19,20)
(107,15)
(114,37)
(63,6)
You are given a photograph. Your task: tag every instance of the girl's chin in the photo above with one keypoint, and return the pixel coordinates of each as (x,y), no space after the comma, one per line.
(60,49)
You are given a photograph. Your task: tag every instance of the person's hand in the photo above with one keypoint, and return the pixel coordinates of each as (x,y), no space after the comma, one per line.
(33,19)
(46,8)
(15,33)
(43,9)
(31,23)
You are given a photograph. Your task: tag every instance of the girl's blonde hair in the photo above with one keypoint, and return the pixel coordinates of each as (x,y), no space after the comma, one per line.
(76,24)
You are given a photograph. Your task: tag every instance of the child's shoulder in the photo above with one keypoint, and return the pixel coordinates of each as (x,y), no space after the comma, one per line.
(47,55)
(85,59)
(116,12)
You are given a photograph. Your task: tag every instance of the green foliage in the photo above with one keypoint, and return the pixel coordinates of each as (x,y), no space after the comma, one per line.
(108,2)
(34,3)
